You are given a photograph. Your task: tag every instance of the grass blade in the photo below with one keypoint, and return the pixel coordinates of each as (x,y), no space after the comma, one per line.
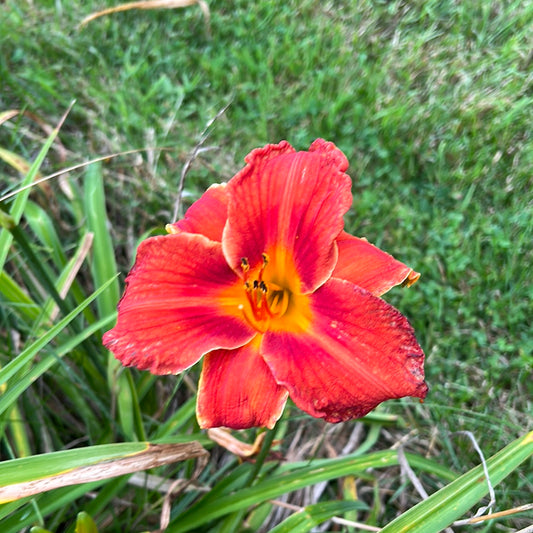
(20,201)
(15,295)
(13,520)
(313,515)
(274,485)
(31,351)
(103,265)
(441,509)
(26,377)
(32,475)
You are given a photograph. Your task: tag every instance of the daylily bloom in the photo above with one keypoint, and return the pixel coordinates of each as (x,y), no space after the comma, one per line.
(260,278)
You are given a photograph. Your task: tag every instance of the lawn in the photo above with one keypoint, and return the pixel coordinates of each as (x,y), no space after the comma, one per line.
(432,104)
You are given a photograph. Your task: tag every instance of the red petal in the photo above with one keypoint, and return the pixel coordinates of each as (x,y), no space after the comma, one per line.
(358,352)
(181,301)
(207,216)
(286,202)
(237,390)
(366,266)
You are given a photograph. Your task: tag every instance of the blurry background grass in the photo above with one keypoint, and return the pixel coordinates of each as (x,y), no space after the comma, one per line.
(431,101)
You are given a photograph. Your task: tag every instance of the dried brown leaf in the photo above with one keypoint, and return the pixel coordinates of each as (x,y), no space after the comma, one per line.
(153,456)
(224,438)
(151,4)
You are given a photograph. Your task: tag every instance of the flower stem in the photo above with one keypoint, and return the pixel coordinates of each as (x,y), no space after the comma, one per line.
(261,456)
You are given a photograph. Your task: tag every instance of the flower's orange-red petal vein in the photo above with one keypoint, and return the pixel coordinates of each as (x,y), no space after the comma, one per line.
(358,352)
(207,216)
(178,305)
(237,390)
(366,266)
(289,201)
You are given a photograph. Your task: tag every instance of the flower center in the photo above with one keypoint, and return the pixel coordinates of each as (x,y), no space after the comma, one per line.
(267,299)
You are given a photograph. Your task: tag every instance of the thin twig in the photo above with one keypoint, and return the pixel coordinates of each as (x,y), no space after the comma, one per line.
(197,150)
(74,167)
(500,514)
(406,469)
(492,495)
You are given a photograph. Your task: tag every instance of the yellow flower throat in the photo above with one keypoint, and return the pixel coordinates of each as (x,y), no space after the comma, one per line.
(267,300)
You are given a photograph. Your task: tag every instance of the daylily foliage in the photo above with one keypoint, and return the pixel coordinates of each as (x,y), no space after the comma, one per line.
(261,279)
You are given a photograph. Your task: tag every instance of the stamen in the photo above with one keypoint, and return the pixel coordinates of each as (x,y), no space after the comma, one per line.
(266,302)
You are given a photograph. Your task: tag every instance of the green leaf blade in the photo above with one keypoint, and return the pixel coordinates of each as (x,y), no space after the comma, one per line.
(448,504)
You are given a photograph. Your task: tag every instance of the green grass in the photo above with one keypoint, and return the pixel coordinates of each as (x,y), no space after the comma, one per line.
(432,104)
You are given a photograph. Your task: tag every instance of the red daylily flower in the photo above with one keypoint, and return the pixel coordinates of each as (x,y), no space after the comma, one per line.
(260,277)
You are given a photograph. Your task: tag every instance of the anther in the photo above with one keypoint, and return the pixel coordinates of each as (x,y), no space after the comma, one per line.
(266,300)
